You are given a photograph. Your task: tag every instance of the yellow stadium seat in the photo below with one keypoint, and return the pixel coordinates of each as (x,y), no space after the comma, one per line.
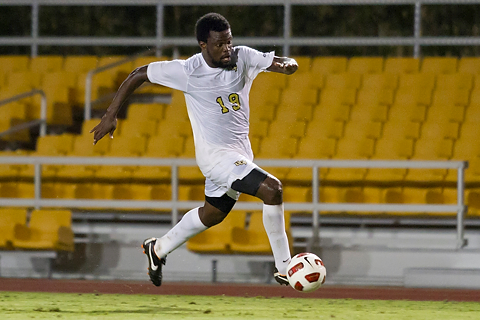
(146,60)
(159,147)
(299,96)
(469,65)
(55,144)
(190,174)
(325,129)
(448,106)
(362,129)
(11,63)
(402,65)
(177,109)
(380,81)
(274,147)
(428,149)
(304,63)
(191,192)
(146,128)
(161,192)
(424,81)
(258,128)
(165,147)
(263,102)
(9,218)
(438,149)
(305,80)
(88,125)
(398,129)
(8,123)
(410,106)
(365,65)
(46,64)
(132,191)
(254,239)
(122,146)
(217,239)
(471,175)
(390,148)
(369,113)
(83,147)
(17,190)
(335,105)
(459,80)
(442,130)
(59,88)
(472,114)
(270,79)
(346,80)
(297,194)
(325,65)
(50,145)
(277,148)
(439,65)
(172,128)
(118,73)
(20,82)
(281,129)
(47,230)
(351,149)
(79,64)
(466,149)
(312,147)
(141,111)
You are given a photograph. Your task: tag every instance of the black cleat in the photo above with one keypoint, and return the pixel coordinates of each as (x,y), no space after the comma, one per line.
(154,262)
(280,278)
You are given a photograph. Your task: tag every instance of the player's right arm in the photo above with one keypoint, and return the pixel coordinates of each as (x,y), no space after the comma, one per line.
(108,123)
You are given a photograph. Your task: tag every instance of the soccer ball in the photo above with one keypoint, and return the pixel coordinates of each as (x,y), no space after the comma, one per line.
(306,272)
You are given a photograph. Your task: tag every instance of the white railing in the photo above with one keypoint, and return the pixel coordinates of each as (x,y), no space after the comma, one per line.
(285,41)
(315,206)
(42,121)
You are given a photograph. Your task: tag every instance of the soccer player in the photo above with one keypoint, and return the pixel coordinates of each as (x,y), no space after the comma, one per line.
(216,83)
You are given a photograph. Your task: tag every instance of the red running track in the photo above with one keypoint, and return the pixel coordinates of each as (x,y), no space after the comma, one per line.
(249,290)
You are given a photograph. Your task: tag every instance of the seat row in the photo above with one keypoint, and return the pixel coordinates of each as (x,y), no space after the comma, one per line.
(241,232)
(38,230)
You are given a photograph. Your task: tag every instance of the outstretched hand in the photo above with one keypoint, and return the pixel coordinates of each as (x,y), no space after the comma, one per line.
(107,124)
(283,65)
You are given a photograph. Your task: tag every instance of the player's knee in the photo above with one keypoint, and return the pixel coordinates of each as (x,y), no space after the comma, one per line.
(211,216)
(274,191)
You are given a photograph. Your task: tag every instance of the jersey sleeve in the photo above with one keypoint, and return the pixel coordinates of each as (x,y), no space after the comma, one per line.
(257,59)
(168,73)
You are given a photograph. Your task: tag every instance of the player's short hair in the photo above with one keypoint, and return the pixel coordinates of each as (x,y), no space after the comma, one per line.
(210,22)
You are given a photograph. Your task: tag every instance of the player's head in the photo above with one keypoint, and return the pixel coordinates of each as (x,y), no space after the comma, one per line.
(215,39)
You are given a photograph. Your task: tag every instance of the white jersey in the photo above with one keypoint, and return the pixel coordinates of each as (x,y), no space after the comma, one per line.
(217,101)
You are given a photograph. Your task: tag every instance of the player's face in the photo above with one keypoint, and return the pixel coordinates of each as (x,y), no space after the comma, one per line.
(218,49)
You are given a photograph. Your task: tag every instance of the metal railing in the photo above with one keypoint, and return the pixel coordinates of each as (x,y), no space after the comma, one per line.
(314,206)
(42,121)
(285,41)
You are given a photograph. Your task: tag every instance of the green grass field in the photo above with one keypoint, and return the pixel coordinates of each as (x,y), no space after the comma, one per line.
(18,305)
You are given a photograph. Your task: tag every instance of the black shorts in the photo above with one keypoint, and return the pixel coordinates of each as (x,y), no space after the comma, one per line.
(249,185)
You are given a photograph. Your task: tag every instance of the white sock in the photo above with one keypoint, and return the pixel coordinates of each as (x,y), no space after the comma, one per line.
(189,226)
(274,223)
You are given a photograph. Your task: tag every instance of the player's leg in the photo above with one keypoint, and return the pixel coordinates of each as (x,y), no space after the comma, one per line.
(269,189)
(193,222)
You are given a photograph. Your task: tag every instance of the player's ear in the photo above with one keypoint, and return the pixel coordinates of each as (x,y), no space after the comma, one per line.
(202,44)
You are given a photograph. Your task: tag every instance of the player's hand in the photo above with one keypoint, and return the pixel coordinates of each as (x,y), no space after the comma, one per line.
(289,66)
(108,124)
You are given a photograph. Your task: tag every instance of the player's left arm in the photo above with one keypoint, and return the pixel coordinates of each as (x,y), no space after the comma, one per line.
(283,65)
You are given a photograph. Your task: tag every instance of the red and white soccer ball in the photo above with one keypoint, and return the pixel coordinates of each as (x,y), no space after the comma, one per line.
(306,272)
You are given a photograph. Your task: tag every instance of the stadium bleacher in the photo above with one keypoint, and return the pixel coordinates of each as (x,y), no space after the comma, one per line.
(335,108)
